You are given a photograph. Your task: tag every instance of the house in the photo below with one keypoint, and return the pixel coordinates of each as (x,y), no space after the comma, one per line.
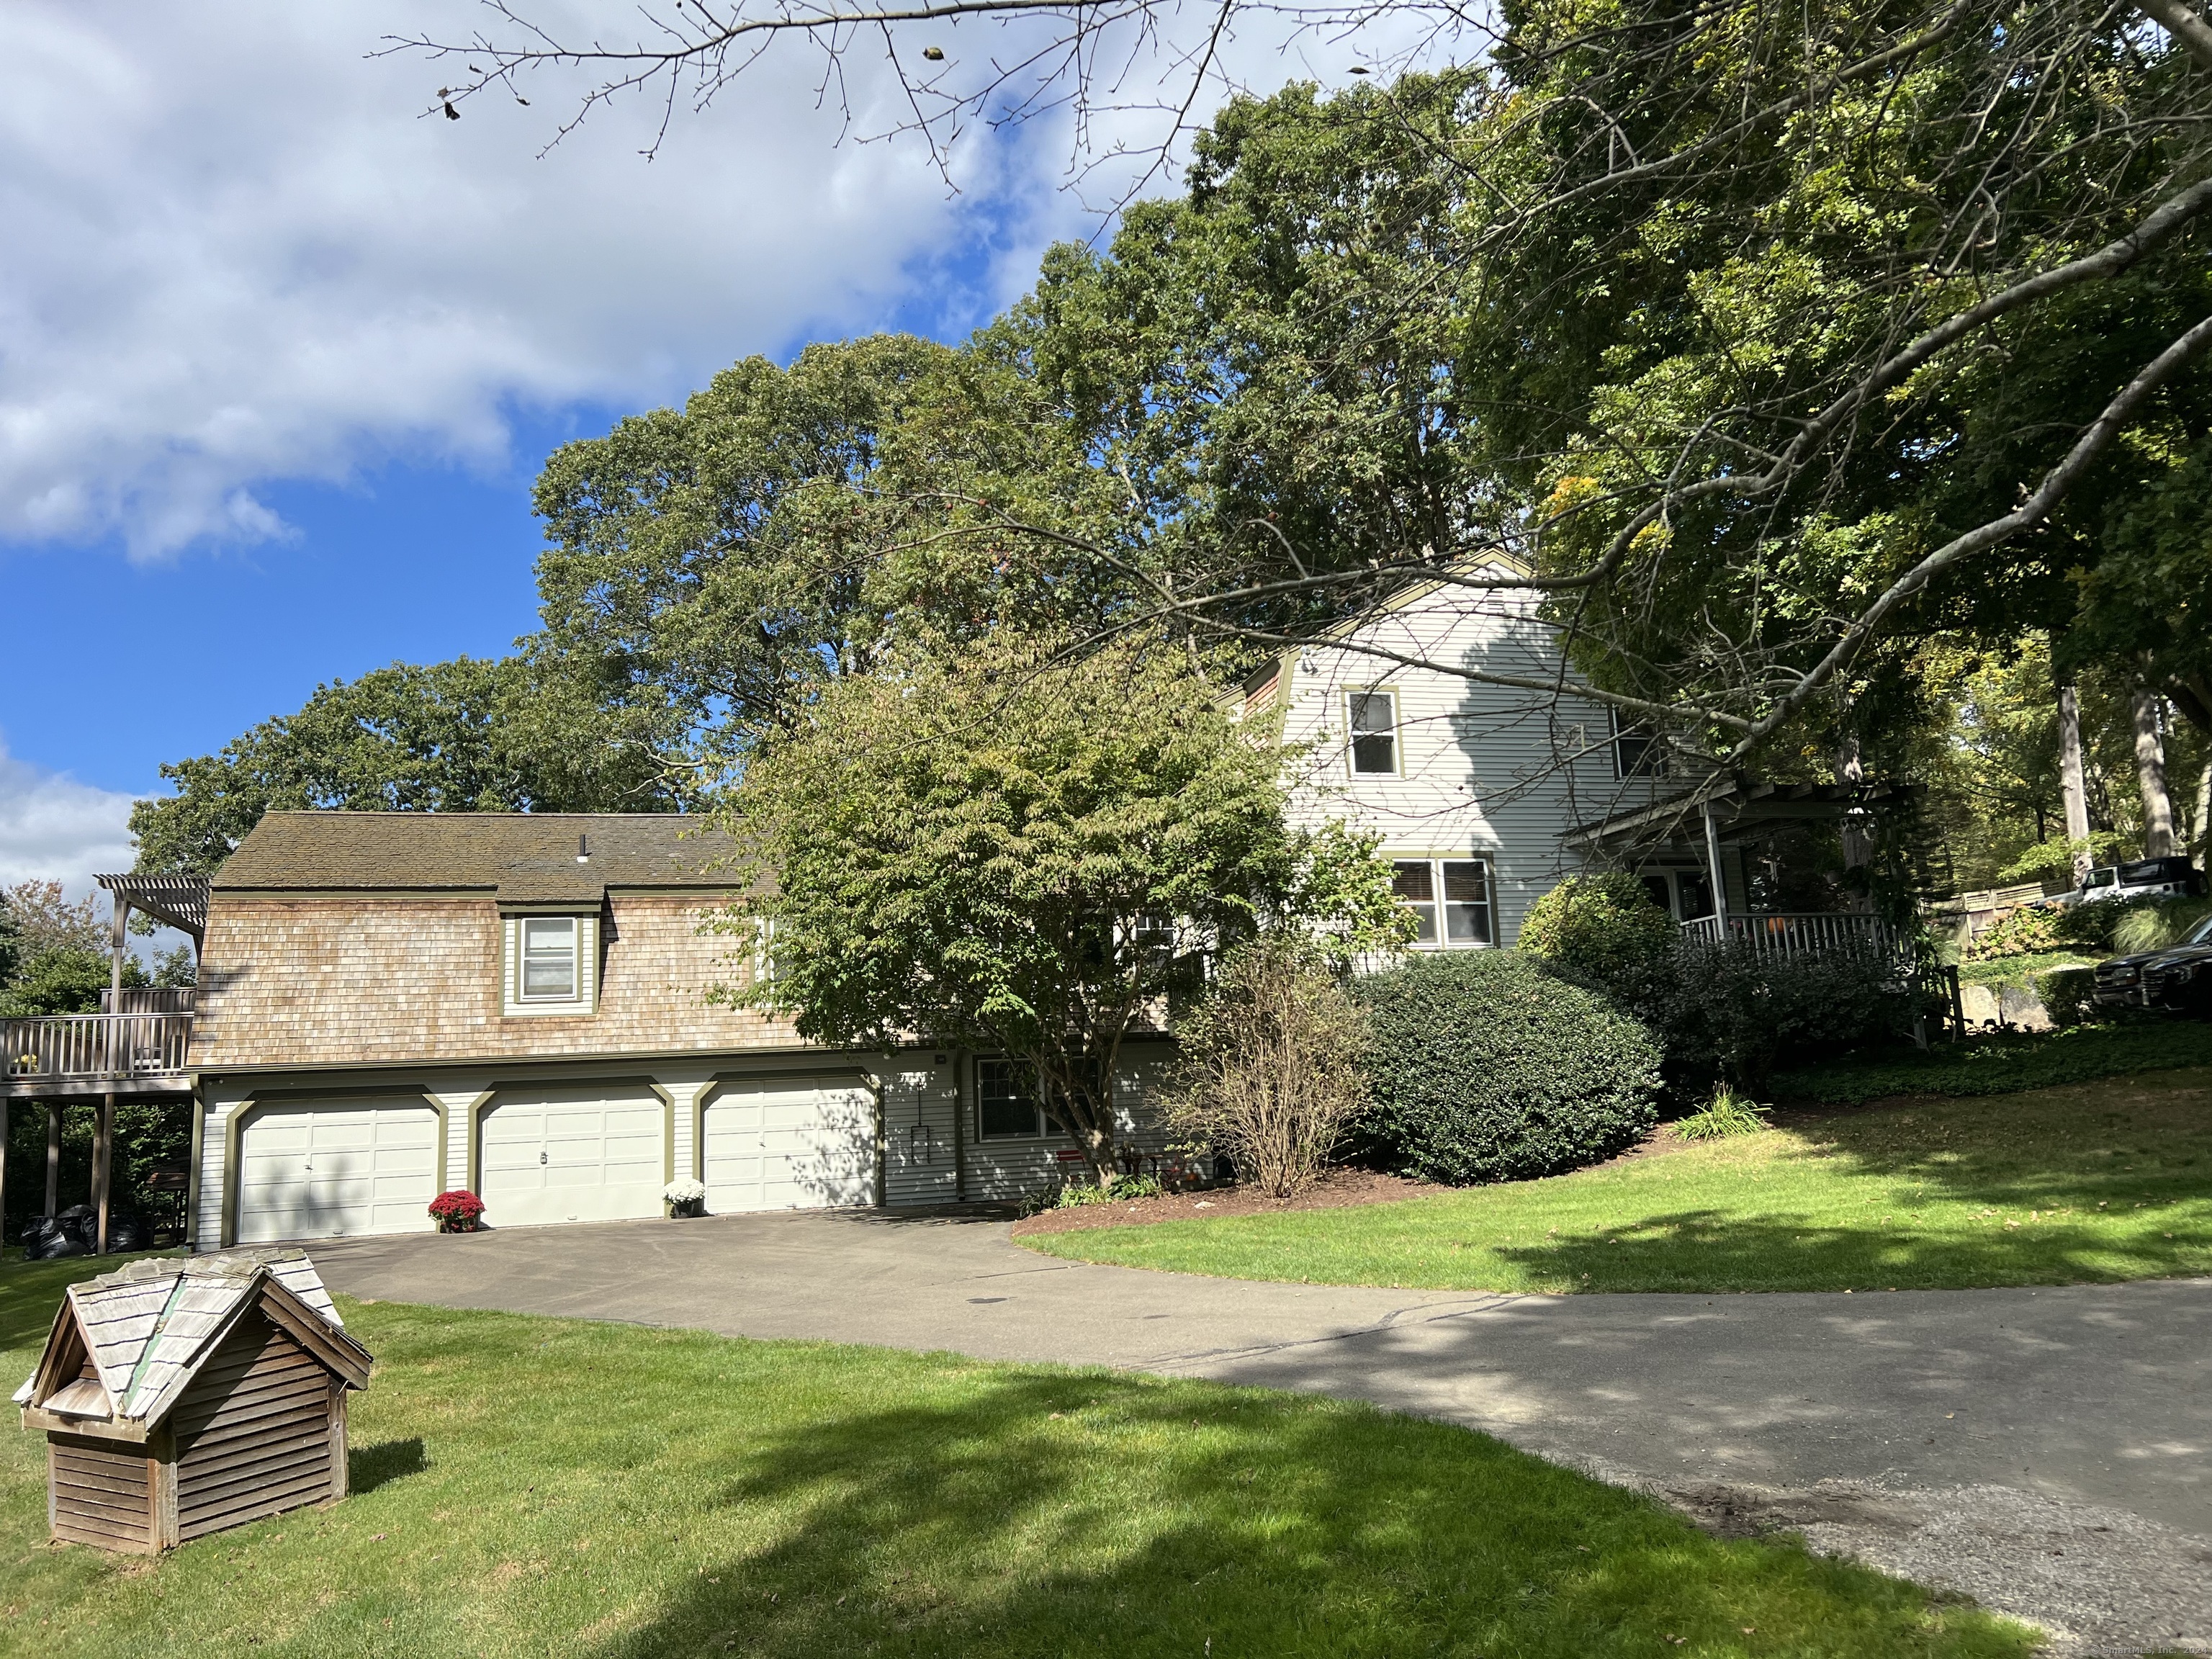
(392,1004)
(183,1397)
(1487,792)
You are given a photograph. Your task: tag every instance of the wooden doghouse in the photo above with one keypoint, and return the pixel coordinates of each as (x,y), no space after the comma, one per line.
(182,1397)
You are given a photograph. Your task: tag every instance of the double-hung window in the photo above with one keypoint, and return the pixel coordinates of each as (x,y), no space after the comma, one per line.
(1636,752)
(549,959)
(1373,718)
(1006,1104)
(1449,899)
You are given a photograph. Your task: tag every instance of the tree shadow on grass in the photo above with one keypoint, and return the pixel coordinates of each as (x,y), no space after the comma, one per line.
(1710,1250)
(1092,1515)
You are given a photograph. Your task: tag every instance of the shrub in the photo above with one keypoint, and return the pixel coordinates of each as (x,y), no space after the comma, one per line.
(1081,1194)
(2068,995)
(2156,923)
(1486,1066)
(1604,929)
(1730,1011)
(1268,1071)
(458,1212)
(1728,1115)
(2027,931)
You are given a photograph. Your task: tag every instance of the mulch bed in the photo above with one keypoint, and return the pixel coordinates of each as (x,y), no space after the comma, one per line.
(1335,1190)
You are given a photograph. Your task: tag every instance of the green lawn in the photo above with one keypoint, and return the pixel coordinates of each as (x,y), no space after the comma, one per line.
(2098,1182)
(544,1486)
(2019,971)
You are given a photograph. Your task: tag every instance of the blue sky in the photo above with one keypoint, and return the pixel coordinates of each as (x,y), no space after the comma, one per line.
(279,358)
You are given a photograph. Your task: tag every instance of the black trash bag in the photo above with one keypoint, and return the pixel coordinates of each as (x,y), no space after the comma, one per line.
(79,1222)
(38,1230)
(55,1247)
(126,1231)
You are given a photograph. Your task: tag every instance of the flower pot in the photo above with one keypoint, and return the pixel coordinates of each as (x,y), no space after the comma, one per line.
(684,1209)
(457,1224)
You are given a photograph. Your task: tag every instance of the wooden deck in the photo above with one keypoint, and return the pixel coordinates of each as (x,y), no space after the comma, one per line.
(74,1055)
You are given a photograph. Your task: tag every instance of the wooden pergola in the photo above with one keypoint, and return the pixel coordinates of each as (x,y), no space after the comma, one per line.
(137,1046)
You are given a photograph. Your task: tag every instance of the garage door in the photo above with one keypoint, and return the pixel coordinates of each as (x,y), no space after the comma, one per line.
(329,1168)
(789,1144)
(573,1154)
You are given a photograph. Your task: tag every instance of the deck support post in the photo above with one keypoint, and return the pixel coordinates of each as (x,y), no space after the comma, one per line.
(53,1157)
(103,1165)
(118,920)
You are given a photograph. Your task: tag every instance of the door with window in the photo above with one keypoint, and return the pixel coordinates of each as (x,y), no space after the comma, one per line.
(1449,899)
(593,1153)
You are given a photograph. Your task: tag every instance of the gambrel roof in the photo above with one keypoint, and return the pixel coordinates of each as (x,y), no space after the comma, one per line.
(126,1345)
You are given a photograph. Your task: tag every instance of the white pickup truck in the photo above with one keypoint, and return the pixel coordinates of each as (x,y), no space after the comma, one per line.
(2173,877)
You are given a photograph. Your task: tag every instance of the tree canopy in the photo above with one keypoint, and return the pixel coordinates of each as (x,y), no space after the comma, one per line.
(958,849)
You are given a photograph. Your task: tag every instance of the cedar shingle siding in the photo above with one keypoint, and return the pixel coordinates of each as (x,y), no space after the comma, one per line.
(356,979)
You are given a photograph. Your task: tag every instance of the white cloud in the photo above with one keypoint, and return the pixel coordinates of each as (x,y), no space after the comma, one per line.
(236,254)
(54,828)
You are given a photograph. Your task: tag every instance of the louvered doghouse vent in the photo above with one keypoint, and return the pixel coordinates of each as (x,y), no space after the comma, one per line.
(182,1397)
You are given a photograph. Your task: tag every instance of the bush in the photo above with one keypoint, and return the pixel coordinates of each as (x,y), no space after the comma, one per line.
(2027,931)
(2068,995)
(1268,1071)
(1730,1011)
(1484,1066)
(1604,929)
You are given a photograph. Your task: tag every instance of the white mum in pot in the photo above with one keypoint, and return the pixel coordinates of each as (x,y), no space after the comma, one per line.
(684,1197)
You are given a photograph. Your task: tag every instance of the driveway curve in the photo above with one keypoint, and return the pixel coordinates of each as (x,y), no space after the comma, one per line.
(2047,1451)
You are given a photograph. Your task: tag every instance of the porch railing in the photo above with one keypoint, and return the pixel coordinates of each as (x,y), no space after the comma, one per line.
(68,1046)
(1798,932)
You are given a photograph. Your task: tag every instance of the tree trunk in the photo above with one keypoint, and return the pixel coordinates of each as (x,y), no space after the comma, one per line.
(2071,786)
(2150,777)
(2203,814)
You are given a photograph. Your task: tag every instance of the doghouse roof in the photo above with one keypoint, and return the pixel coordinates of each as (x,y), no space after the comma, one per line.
(149,1328)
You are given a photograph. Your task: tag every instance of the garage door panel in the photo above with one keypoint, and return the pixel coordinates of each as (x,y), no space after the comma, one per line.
(573,1154)
(788,1145)
(336,1168)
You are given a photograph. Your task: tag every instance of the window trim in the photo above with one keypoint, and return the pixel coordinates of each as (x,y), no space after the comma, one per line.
(1352,733)
(1437,902)
(530,955)
(1044,1130)
(1651,758)
(516,1001)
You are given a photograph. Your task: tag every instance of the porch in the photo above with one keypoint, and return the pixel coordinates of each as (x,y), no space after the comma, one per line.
(137,1047)
(1798,932)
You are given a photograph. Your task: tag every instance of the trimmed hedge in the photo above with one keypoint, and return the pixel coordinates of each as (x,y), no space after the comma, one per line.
(1486,1068)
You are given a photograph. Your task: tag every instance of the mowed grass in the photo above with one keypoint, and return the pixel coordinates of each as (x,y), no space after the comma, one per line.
(2094,1182)
(534,1486)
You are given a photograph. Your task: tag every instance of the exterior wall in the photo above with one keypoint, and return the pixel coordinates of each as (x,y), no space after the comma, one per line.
(1004,1169)
(256,1432)
(1484,770)
(100,1493)
(368,980)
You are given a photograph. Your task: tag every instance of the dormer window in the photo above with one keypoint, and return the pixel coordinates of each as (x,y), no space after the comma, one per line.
(551,964)
(1374,722)
(549,959)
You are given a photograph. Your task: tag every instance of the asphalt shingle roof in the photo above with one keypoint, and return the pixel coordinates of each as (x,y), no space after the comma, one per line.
(524,857)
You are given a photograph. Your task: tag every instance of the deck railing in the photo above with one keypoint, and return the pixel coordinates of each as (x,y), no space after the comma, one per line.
(1798,932)
(73,1046)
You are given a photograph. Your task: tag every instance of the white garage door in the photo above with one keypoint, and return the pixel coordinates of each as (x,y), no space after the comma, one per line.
(573,1154)
(331,1168)
(789,1144)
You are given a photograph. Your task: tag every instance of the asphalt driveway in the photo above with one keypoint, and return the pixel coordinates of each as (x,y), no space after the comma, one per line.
(2048,1451)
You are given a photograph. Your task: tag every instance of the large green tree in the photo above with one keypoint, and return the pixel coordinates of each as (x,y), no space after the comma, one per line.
(467,735)
(958,848)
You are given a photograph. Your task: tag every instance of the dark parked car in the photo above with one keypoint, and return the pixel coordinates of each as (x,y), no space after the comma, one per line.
(2177,976)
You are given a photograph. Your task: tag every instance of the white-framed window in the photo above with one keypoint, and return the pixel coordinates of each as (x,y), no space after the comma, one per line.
(1372,719)
(1006,1104)
(549,959)
(551,964)
(1449,899)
